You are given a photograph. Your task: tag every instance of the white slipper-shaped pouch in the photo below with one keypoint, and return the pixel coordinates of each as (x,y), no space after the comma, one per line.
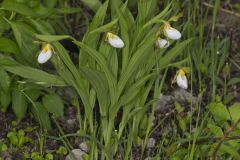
(162,43)
(114,40)
(45,54)
(171,32)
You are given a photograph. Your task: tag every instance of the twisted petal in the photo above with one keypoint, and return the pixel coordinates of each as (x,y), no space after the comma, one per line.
(44,56)
(182,81)
(115,41)
(172,33)
(162,43)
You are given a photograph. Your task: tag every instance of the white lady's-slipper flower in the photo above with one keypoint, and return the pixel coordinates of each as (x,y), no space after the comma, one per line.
(162,43)
(45,54)
(114,40)
(182,79)
(171,33)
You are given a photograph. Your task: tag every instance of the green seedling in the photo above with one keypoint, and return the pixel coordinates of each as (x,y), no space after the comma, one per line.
(38,156)
(85,156)
(18,138)
(62,150)
(3,147)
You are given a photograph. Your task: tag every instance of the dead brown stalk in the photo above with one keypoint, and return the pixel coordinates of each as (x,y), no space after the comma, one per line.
(222,9)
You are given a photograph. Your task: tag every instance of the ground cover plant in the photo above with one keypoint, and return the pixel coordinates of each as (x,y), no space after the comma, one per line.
(119,79)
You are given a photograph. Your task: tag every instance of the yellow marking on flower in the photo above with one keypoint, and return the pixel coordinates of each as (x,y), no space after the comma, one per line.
(181,79)
(167,26)
(181,73)
(46,48)
(114,40)
(170,32)
(45,54)
(110,35)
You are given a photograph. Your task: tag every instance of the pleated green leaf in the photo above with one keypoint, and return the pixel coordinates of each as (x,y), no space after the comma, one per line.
(19,104)
(158,17)
(51,38)
(8,46)
(54,104)
(99,83)
(92,39)
(134,90)
(105,28)
(12,5)
(30,73)
(173,53)
(35,74)
(101,61)
(136,61)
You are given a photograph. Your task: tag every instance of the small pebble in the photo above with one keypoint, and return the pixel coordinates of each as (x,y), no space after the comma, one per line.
(151,143)
(75,153)
(84,146)
(71,122)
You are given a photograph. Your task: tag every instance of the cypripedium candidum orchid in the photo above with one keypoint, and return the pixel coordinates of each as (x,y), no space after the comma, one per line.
(114,40)
(162,43)
(181,78)
(170,32)
(45,54)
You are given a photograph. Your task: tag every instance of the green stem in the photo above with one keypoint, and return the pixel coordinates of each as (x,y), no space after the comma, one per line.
(65,140)
(225,87)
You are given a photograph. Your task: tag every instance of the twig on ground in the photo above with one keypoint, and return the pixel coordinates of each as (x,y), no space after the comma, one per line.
(222,9)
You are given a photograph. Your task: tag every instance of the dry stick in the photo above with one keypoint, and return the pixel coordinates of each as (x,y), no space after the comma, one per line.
(203,140)
(222,9)
(225,137)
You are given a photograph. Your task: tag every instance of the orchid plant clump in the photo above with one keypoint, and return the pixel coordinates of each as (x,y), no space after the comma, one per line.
(116,42)
(116,72)
(114,78)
